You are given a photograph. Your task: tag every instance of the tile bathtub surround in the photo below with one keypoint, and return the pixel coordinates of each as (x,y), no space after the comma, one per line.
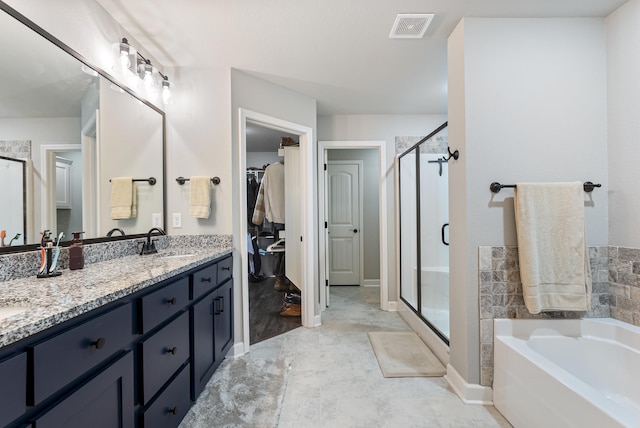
(22,265)
(624,284)
(501,295)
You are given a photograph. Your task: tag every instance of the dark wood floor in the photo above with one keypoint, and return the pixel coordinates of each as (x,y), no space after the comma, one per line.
(264,312)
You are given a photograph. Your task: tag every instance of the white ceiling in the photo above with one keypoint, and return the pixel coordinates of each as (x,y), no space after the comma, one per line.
(336,51)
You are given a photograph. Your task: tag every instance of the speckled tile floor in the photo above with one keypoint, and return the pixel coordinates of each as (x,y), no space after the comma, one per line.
(329,377)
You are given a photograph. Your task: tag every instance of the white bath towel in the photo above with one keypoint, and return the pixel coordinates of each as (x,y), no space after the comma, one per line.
(122,194)
(200,197)
(554,262)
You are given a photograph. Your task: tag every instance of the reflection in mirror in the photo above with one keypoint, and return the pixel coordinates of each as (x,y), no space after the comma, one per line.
(75,130)
(13,212)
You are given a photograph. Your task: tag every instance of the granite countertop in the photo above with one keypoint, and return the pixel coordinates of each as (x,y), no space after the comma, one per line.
(45,302)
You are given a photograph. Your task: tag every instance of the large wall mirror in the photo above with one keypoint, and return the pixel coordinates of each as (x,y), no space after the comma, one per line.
(77,133)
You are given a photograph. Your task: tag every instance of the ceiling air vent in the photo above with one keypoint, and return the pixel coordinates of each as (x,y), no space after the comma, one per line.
(410,25)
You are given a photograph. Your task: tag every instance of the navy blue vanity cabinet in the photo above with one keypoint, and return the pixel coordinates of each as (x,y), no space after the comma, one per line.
(162,354)
(205,280)
(13,401)
(223,320)
(62,358)
(105,401)
(158,306)
(171,406)
(212,323)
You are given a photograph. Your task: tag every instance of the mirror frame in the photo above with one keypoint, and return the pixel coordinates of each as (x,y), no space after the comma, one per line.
(30,25)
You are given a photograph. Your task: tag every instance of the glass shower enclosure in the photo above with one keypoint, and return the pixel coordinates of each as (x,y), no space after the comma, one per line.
(424,230)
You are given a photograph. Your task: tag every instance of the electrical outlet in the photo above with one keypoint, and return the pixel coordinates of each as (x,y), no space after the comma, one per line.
(177,220)
(156,220)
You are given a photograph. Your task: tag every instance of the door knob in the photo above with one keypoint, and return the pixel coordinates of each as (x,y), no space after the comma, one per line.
(355,230)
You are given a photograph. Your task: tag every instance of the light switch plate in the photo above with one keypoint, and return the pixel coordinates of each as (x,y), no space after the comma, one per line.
(156,220)
(177,220)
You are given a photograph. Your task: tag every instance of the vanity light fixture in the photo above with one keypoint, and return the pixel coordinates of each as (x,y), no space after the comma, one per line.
(131,64)
(125,58)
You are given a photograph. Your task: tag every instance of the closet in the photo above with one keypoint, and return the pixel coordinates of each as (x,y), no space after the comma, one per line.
(274,299)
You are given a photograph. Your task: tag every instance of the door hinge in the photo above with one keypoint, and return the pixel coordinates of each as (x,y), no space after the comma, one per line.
(326,225)
(325,166)
(326,282)
(301,239)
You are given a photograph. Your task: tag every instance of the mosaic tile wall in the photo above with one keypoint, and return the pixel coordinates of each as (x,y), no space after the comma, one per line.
(624,284)
(24,264)
(501,295)
(436,144)
(16,149)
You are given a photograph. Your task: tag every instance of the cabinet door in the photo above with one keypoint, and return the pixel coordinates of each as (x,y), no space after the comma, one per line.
(13,399)
(223,320)
(105,401)
(203,349)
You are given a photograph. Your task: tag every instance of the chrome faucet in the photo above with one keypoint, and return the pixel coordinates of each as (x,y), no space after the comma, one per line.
(115,229)
(149,247)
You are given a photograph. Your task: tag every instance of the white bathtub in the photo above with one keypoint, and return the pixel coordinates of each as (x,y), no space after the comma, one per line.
(567,373)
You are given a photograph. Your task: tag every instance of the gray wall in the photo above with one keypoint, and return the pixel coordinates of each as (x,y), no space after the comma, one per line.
(527,102)
(370,229)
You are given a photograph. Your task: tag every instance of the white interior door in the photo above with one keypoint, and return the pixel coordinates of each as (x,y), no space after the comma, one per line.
(344,223)
(293,216)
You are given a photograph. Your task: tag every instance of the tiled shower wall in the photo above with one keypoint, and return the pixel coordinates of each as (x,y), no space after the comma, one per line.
(616,292)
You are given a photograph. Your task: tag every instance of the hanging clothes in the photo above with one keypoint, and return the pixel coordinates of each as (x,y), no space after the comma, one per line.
(270,201)
(253,187)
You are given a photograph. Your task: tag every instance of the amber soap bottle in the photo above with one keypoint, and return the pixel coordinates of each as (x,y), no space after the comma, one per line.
(76,256)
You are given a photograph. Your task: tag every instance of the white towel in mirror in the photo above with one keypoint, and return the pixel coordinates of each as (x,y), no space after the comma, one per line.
(200,197)
(122,194)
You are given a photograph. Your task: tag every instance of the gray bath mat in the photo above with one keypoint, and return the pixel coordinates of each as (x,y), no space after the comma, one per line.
(404,354)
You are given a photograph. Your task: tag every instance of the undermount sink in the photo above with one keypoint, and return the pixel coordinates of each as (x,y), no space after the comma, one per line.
(174,255)
(9,311)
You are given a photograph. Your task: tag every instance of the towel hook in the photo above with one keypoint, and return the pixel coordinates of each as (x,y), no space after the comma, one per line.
(455,155)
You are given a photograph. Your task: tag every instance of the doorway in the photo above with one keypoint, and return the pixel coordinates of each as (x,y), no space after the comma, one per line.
(302,239)
(274,302)
(377,229)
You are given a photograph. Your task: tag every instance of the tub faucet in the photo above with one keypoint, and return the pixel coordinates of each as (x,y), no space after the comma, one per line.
(149,247)
(115,229)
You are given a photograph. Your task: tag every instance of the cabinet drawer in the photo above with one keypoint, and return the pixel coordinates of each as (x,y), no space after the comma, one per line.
(13,396)
(171,406)
(163,303)
(162,354)
(61,359)
(205,280)
(225,267)
(104,401)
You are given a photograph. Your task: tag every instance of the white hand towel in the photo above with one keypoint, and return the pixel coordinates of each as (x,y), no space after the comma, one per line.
(200,197)
(121,197)
(554,262)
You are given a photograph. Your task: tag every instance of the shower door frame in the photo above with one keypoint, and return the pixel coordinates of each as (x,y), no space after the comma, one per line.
(417,311)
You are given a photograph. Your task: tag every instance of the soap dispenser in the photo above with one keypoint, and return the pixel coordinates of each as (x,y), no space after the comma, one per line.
(76,255)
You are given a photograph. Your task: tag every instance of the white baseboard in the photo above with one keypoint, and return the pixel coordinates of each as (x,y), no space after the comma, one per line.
(469,393)
(237,350)
(371,283)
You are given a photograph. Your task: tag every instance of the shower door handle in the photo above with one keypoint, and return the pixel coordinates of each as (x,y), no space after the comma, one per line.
(442,232)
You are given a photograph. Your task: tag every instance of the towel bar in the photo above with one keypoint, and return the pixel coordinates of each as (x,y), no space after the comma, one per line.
(182,180)
(151,180)
(495,187)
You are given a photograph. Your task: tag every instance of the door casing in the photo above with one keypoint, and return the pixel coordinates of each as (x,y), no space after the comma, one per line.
(384,171)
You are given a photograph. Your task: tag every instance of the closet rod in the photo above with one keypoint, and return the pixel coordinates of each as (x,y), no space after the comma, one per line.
(495,186)
(182,180)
